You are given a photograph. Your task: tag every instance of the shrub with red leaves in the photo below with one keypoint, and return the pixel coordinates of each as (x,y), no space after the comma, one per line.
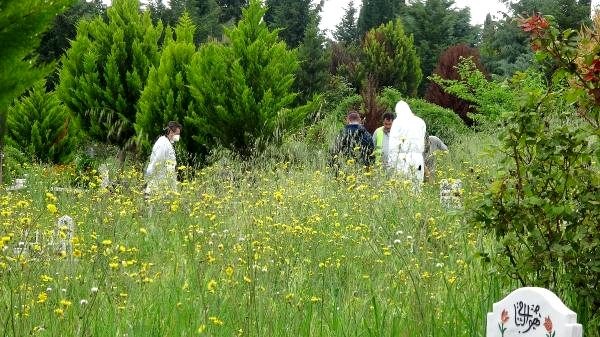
(446,68)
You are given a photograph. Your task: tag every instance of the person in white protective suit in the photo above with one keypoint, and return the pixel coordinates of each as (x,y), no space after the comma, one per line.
(407,143)
(161,175)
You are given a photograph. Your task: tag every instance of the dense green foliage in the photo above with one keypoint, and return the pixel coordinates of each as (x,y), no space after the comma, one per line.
(40,126)
(543,203)
(205,16)
(347,30)
(490,99)
(504,46)
(374,13)
(56,40)
(105,71)
(292,17)
(448,69)
(231,10)
(166,96)
(21,24)
(243,89)
(390,59)
(313,73)
(567,13)
(435,26)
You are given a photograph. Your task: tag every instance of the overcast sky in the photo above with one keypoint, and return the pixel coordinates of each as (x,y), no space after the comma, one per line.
(334,10)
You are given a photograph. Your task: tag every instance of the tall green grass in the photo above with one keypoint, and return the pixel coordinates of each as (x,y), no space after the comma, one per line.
(267,248)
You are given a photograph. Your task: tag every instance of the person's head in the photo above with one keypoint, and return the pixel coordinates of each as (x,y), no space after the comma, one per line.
(172,131)
(388,119)
(353,118)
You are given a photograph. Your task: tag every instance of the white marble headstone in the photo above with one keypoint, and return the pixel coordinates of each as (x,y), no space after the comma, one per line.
(532,312)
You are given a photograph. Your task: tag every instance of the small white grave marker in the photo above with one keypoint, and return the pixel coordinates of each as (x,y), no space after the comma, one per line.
(532,312)
(62,237)
(450,193)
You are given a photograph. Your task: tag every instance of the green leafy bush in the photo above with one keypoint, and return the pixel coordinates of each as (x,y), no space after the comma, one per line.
(491,99)
(41,126)
(544,203)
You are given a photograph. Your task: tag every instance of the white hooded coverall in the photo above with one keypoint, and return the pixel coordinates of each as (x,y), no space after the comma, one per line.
(160,173)
(407,143)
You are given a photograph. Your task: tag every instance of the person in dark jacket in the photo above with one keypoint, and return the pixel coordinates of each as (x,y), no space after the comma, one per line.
(354,142)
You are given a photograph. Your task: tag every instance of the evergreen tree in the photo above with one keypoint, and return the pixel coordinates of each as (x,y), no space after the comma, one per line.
(435,26)
(105,70)
(21,25)
(41,126)
(505,47)
(242,89)
(313,74)
(346,31)
(56,40)
(159,12)
(205,16)
(166,96)
(374,13)
(567,13)
(231,11)
(291,16)
(390,58)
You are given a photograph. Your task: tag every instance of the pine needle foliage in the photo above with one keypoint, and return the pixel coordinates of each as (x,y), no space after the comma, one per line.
(390,58)
(41,126)
(242,89)
(21,25)
(167,96)
(106,68)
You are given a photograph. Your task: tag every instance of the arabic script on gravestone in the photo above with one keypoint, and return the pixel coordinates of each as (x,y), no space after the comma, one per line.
(527,317)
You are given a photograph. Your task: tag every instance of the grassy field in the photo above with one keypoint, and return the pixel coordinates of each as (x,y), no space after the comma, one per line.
(269,249)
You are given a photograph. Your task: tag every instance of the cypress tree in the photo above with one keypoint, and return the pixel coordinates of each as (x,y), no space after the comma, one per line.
(21,25)
(167,96)
(346,31)
(231,11)
(291,16)
(435,26)
(41,126)
(313,74)
(390,58)
(242,90)
(105,70)
(374,13)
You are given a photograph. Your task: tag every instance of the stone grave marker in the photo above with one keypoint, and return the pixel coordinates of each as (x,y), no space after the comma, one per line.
(450,193)
(532,312)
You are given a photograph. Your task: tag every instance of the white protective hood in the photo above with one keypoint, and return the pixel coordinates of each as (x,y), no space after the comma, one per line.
(407,142)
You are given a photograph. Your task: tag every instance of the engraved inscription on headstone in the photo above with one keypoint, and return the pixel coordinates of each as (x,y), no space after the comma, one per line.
(532,312)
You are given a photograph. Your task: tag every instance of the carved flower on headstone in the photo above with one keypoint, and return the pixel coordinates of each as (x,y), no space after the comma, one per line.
(548,326)
(503,319)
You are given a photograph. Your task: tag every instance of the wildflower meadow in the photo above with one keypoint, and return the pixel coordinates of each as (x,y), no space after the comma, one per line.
(280,249)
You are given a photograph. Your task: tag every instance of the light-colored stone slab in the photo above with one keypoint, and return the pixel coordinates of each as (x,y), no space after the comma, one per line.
(532,312)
